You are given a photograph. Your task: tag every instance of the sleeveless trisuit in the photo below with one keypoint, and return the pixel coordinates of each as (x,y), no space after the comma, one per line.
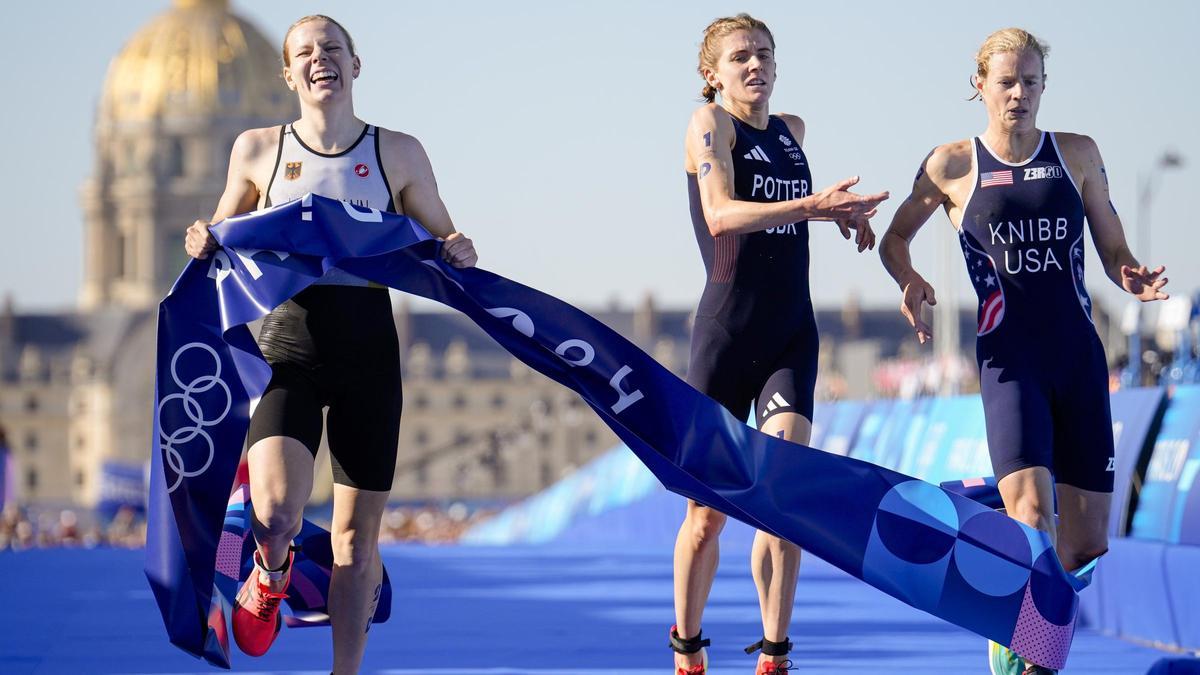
(755,334)
(334,344)
(1042,371)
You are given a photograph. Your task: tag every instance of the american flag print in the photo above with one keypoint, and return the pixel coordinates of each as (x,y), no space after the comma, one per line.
(993,178)
(1085,300)
(982,271)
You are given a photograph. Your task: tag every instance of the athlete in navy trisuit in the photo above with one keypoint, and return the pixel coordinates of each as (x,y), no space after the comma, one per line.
(755,337)
(333,345)
(1018,197)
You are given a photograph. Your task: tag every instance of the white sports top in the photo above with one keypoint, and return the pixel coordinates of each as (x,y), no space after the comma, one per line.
(354,175)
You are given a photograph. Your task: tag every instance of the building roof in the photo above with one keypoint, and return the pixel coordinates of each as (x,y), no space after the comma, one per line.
(196,60)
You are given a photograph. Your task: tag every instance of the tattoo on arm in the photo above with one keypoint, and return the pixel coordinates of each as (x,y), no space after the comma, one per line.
(1104,175)
(704,169)
(708,139)
(921,169)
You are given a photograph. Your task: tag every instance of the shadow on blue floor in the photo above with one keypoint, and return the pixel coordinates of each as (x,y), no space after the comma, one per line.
(494,611)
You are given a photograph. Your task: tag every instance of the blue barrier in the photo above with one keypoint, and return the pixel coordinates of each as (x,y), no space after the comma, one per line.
(953,442)
(836,425)
(611,481)
(1180,665)
(1163,501)
(1183,588)
(1134,413)
(122,484)
(871,444)
(823,413)
(1146,591)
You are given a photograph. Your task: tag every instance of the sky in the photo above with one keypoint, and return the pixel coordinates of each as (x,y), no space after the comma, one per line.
(556,128)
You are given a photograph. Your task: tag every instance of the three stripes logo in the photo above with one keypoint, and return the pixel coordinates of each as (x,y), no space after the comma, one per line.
(774,403)
(757,153)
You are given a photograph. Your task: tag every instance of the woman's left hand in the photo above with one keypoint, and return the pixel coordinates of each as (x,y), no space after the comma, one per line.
(864,236)
(1145,285)
(459,250)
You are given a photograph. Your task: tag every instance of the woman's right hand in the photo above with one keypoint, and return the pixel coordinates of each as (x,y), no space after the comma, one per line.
(917,292)
(198,242)
(836,202)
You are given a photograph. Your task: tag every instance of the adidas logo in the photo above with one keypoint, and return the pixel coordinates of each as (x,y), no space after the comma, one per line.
(787,142)
(774,404)
(757,153)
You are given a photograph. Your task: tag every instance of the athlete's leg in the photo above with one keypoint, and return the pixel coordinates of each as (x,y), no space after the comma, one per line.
(775,562)
(1028,496)
(280,483)
(363,424)
(784,409)
(1020,436)
(284,434)
(357,572)
(1082,525)
(718,368)
(697,552)
(281,480)
(1085,460)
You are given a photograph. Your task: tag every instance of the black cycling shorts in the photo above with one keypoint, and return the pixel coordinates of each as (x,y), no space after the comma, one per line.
(336,347)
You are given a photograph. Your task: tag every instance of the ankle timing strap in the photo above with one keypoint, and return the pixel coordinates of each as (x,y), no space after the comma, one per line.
(287,562)
(771,648)
(688,646)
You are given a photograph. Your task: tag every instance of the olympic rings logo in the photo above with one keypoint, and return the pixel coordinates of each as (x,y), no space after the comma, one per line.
(194,411)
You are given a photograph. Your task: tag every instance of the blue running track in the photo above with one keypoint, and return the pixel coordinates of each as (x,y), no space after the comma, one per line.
(494,611)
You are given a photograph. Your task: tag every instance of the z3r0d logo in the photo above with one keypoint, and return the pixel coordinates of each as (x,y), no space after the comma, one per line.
(196,399)
(1040,172)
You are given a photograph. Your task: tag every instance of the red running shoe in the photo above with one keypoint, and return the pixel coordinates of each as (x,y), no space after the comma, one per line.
(256,620)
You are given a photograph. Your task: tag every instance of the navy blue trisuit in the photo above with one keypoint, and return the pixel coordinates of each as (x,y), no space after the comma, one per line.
(755,335)
(1042,371)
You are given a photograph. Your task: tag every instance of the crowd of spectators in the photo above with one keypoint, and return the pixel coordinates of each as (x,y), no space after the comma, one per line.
(909,378)
(22,529)
(428,524)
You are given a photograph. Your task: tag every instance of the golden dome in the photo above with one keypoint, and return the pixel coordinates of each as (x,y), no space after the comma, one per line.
(196,59)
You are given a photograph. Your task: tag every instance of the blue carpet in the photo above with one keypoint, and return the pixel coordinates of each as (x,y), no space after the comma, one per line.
(495,611)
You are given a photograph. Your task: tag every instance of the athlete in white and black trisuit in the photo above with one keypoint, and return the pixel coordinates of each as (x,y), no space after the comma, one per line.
(755,338)
(1018,197)
(331,346)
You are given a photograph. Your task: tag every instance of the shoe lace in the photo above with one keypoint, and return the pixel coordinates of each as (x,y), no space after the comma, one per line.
(777,668)
(268,603)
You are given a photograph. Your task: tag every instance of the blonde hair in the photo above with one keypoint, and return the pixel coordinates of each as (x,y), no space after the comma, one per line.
(287,59)
(710,48)
(1008,40)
